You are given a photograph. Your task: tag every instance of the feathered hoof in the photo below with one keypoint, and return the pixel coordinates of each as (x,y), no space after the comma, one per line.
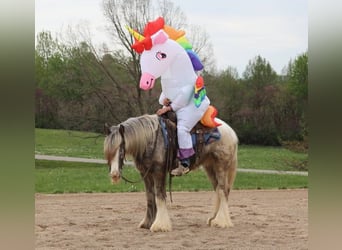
(143,225)
(219,223)
(160,228)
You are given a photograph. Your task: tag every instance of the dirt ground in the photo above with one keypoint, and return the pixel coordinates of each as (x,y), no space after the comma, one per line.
(273,219)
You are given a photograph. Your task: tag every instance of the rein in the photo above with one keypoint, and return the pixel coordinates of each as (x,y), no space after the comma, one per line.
(122,150)
(122,153)
(171,144)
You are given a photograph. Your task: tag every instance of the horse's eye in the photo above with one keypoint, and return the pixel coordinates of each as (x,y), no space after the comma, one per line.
(160,55)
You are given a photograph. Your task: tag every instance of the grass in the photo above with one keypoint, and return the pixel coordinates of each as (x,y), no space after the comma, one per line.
(71,177)
(90,145)
(74,177)
(272,158)
(68,143)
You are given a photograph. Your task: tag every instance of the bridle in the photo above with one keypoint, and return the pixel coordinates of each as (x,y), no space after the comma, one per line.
(122,153)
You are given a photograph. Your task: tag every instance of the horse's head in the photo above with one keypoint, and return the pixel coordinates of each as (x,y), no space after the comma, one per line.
(155,61)
(113,151)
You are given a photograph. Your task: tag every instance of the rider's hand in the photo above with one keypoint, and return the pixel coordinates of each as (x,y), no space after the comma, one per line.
(163,110)
(166,102)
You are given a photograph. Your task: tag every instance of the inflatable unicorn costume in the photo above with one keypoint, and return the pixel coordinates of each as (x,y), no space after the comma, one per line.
(166,53)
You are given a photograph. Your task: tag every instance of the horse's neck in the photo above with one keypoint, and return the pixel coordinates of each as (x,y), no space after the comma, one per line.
(140,132)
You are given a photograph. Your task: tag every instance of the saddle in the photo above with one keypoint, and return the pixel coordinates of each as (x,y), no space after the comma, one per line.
(201,135)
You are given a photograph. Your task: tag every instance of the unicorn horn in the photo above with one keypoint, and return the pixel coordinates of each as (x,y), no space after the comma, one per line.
(136,35)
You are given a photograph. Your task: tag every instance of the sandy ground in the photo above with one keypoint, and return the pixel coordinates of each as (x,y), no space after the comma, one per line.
(274,219)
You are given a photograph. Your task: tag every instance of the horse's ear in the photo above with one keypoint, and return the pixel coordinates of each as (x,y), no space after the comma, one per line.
(160,37)
(106,129)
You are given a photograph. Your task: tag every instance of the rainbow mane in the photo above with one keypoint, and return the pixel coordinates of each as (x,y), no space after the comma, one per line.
(143,42)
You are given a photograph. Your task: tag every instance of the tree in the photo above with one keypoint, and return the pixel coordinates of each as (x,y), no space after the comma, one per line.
(298,74)
(259,73)
(46,59)
(46,46)
(254,117)
(298,86)
(223,90)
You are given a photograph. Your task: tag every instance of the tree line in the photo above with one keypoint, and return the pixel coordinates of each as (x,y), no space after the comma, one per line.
(79,88)
(75,90)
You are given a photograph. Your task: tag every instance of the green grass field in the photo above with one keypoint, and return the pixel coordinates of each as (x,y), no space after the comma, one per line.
(90,145)
(72,177)
(68,143)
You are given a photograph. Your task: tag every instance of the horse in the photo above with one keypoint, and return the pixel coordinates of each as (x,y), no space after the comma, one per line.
(143,139)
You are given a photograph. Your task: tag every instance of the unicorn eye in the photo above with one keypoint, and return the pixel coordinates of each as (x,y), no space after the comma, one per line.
(160,55)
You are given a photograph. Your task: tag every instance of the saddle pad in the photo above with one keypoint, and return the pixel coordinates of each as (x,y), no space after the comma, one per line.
(209,137)
(165,133)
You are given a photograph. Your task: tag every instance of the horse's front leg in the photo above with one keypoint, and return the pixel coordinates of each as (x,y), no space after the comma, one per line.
(151,204)
(162,221)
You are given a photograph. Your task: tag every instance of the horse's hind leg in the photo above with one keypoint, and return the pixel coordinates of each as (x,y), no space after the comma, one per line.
(212,177)
(222,217)
(225,177)
(151,204)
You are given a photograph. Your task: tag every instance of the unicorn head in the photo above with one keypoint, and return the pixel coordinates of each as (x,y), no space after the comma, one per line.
(156,61)
(160,47)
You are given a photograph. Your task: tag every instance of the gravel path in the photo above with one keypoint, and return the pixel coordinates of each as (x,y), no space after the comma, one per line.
(100,161)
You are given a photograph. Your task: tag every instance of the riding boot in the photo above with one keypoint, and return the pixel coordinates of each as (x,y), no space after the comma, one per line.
(183,168)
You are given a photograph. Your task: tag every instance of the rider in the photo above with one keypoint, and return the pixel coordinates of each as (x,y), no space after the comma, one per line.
(187,117)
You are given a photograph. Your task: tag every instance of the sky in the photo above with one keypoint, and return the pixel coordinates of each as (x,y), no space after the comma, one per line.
(277,30)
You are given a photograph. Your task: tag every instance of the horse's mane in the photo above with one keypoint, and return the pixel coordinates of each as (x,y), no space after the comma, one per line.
(138,132)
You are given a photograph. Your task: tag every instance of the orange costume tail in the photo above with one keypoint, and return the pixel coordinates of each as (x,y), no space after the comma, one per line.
(208,119)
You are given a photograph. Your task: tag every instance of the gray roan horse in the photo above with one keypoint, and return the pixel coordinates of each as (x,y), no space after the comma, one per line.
(142,138)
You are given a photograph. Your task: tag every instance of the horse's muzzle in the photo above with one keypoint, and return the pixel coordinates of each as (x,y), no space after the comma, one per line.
(147,81)
(115,177)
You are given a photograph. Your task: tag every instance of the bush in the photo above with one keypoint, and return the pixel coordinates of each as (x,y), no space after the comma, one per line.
(253,135)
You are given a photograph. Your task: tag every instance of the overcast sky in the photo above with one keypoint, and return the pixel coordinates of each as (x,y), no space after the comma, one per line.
(238,30)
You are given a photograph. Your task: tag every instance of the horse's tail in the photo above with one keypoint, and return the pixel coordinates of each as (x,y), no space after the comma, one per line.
(233,167)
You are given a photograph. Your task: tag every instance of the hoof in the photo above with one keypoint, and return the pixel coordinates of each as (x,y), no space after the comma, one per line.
(156,228)
(218,223)
(144,224)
